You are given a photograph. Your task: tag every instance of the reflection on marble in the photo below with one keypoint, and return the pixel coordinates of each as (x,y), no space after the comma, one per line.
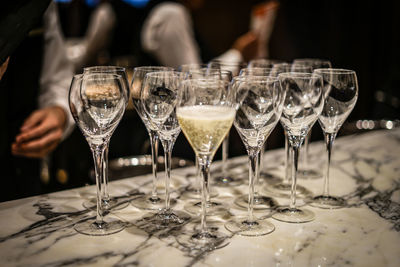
(38,231)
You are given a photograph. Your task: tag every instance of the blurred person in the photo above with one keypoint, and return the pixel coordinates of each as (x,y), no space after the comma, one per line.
(168,36)
(35,115)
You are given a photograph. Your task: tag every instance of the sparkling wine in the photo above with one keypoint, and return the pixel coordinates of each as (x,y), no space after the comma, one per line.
(205,126)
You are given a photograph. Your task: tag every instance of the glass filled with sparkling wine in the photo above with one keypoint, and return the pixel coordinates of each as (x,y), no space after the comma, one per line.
(205,113)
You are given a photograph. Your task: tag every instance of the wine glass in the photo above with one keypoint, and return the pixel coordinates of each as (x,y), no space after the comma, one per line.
(259,101)
(306,171)
(205,113)
(109,202)
(225,178)
(302,106)
(150,201)
(159,97)
(261,202)
(97,102)
(341,92)
(283,188)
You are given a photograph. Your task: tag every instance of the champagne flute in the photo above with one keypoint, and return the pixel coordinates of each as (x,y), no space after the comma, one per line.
(109,202)
(205,113)
(306,171)
(341,92)
(97,103)
(150,201)
(302,106)
(159,97)
(259,100)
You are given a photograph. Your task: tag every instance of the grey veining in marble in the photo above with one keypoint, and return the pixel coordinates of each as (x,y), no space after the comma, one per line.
(38,231)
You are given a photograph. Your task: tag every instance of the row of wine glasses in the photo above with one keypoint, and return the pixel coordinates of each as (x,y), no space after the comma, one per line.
(204,103)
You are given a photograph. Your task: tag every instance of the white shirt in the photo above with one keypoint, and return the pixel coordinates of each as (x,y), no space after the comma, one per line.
(168,35)
(57,70)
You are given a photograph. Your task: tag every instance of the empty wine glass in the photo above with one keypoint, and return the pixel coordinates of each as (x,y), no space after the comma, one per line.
(226,178)
(341,92)
(283,188)
(205,113)
(97,103)
(302,106)
(159,97)
(109,202)
(259,101)
(261,202)
(150,201)
(305,170)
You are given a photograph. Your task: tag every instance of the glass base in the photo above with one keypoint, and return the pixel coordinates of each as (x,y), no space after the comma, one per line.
(260,202)
(170,218)
(193,193)
(284,190)
(309,173)
(242,226)
(294,215)
(111,204)
(146,202)
(226,180)
(213,208)
(209,240)
(108,227)
(328,202)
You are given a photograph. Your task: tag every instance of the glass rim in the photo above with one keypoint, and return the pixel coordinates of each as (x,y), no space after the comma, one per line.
(298,75)
(104,76)
(163,72)
(146,68)
(256,78)
(104,68)
(333,71)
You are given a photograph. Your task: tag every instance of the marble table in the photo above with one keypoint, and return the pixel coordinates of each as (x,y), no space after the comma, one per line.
(38,231)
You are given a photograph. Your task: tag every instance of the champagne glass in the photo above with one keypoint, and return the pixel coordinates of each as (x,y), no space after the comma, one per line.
(302,106)
(306,171)
(261,202)
(283,188)
(109,202)
(150,201)
(205,113)
(97,103)
(159,98)
(341,92)
(259,108)
(225,178)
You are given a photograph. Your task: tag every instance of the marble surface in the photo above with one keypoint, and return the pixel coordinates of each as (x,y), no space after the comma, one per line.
(38,231)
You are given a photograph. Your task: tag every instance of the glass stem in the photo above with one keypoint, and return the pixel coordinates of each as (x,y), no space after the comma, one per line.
(329,138)
(98,157)
(225,152)
(204,162)
(288,168)
(104,193)
(167,145)
(253,170)
(154,154)
(306,150)
(295,161)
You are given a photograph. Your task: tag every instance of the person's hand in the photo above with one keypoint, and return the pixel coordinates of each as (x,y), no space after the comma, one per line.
(3,67)
(247,45)
(40,133)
